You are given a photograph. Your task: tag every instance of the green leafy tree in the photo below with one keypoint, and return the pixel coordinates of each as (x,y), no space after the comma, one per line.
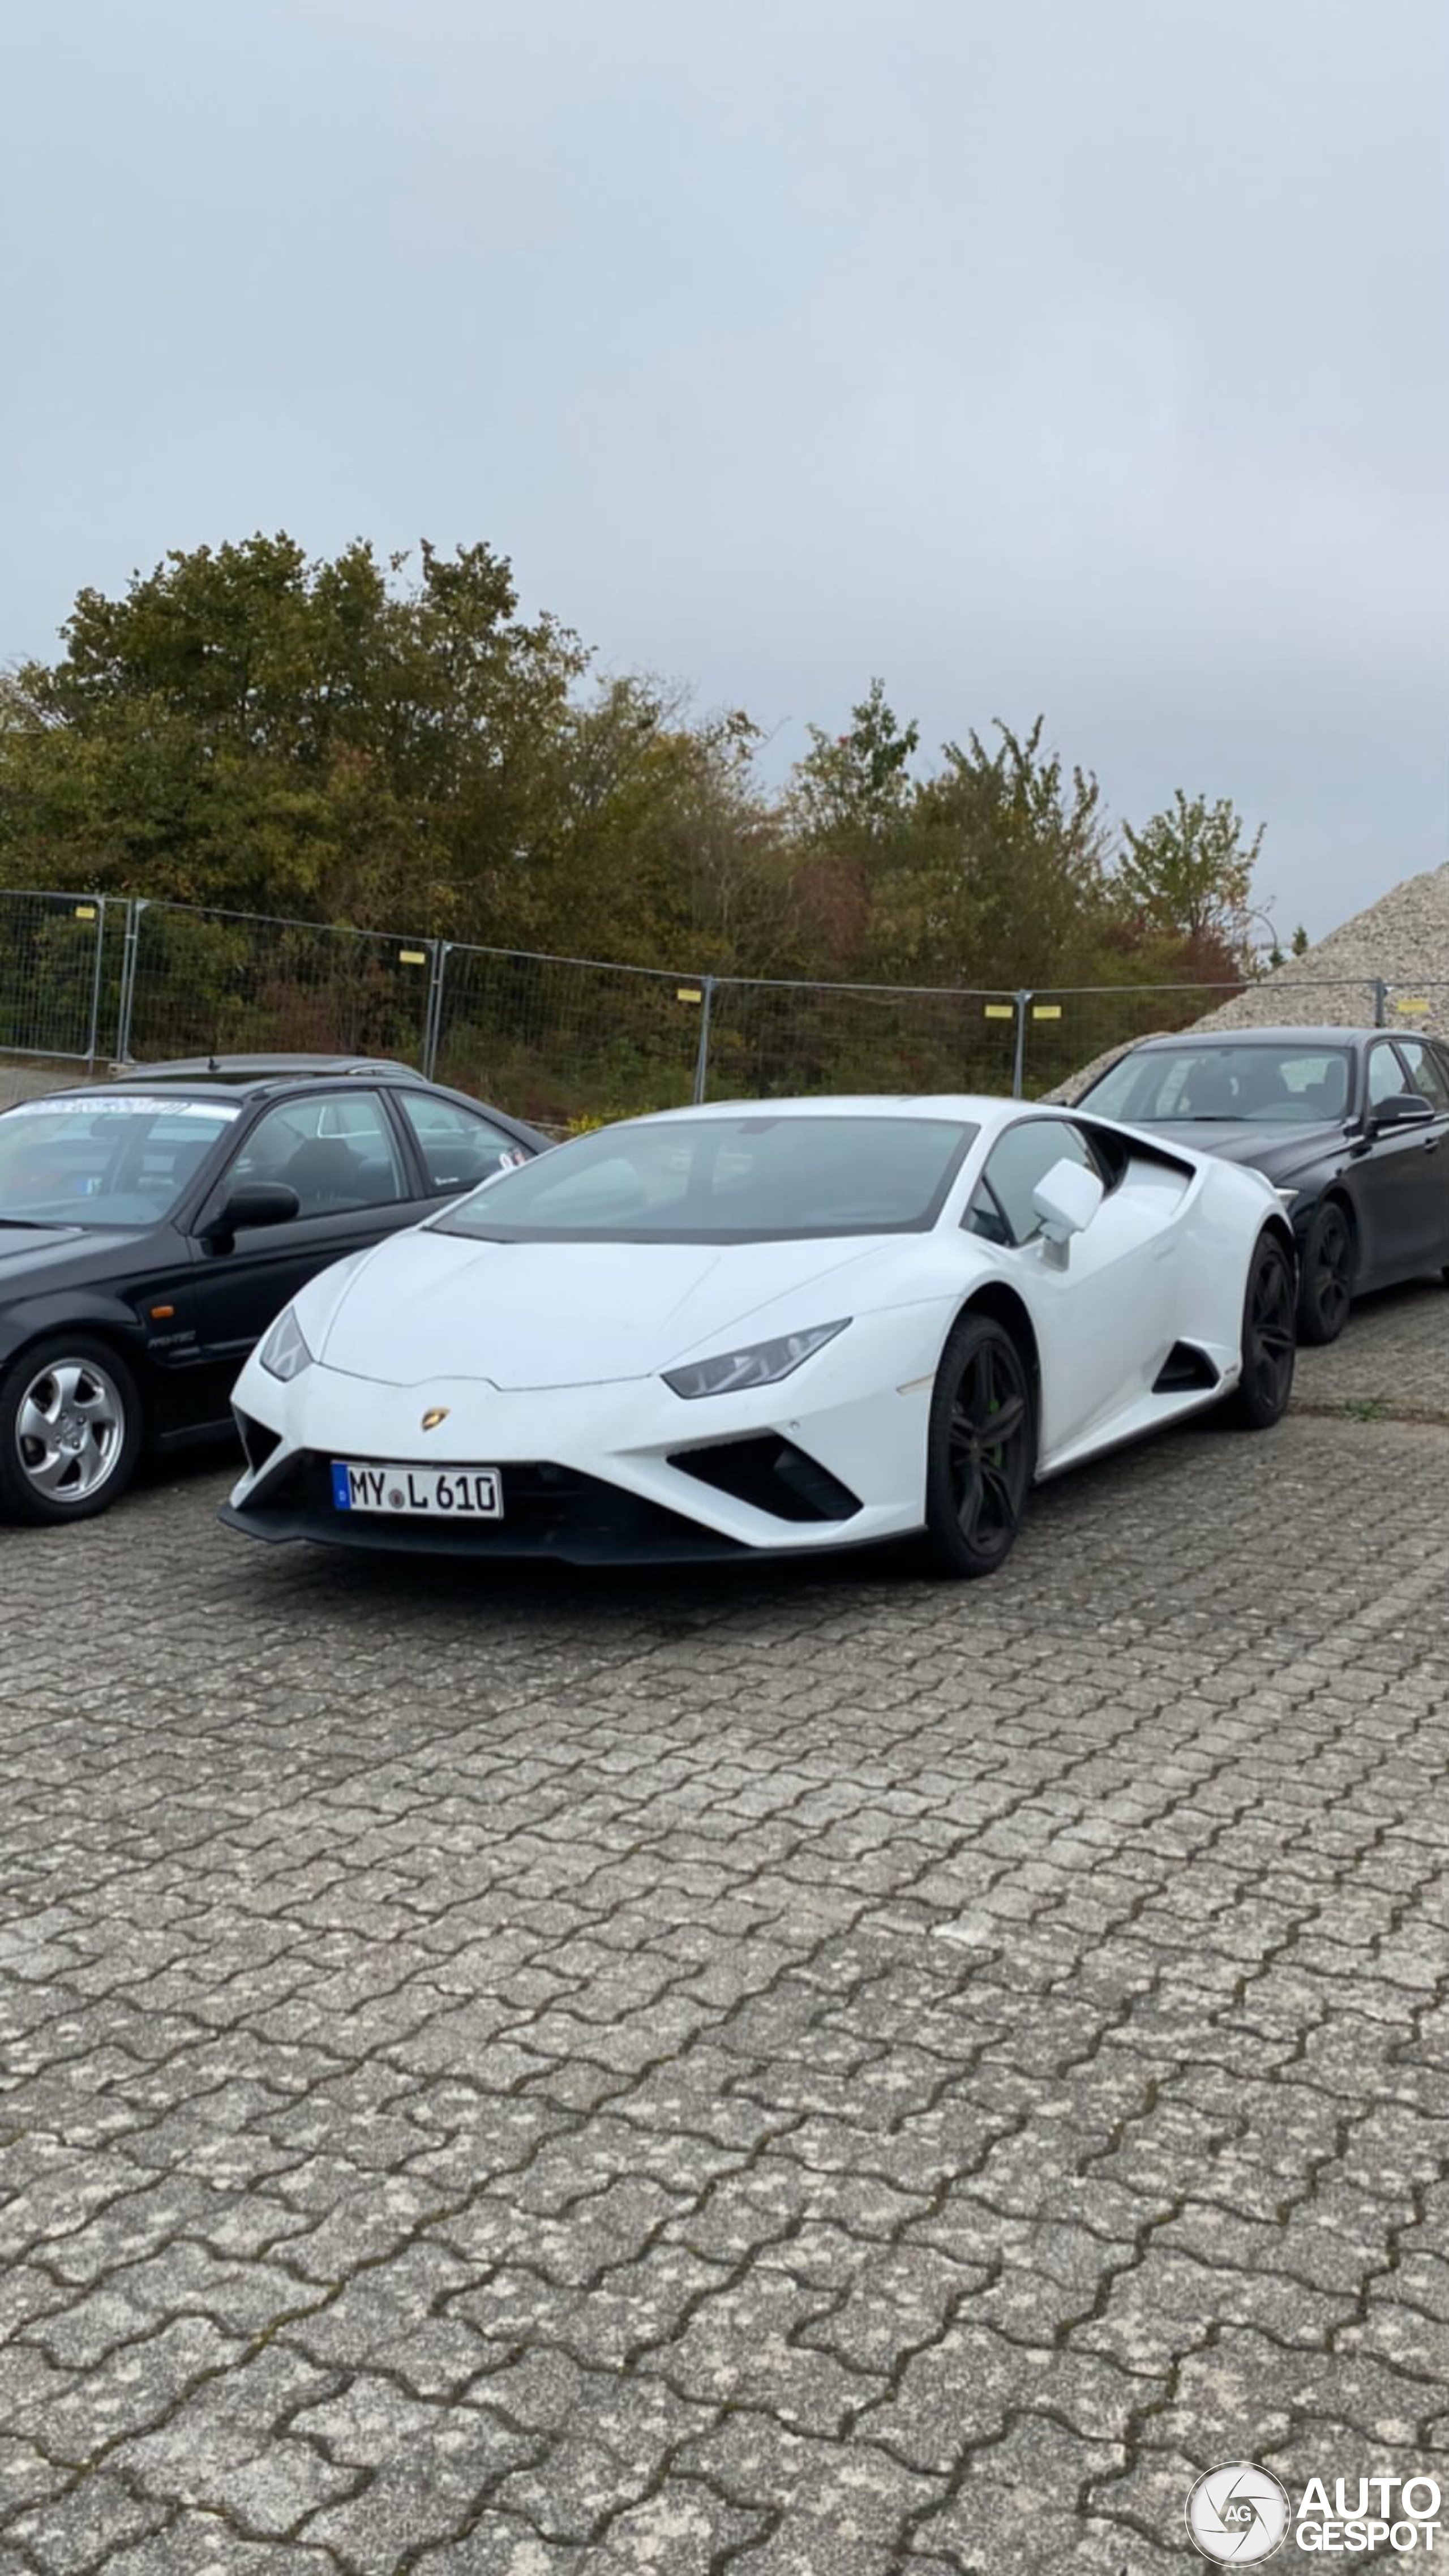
(1007,881)
(1187,876)
(247,728)
(854,789)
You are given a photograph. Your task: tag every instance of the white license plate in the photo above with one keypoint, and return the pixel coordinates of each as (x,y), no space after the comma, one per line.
(427,1493)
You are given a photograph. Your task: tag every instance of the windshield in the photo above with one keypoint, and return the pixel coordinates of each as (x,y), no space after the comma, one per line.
(752,1179)
(93,1159)
(1273,1085)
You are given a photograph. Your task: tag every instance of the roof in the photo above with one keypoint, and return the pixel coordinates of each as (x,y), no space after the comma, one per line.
(972,1105)
(1196,1036)
(255,1068)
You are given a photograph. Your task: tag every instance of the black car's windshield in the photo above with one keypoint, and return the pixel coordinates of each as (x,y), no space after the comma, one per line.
(1272,1085)
(752,1179)
(103,1158)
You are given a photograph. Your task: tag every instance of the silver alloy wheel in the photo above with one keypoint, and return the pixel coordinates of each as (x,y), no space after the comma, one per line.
(70,1430)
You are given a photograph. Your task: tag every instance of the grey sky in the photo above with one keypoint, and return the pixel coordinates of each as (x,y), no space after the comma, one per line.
(1089,355)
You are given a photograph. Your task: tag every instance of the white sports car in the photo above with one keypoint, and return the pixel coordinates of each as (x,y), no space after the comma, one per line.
(751,1330)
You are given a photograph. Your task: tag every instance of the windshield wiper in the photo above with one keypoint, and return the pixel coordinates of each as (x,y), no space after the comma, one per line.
(36,1224)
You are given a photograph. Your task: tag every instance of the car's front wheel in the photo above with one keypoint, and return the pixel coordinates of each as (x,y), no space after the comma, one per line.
(70,1430)
(1325,1285)
(980,1449)
(1269,1341)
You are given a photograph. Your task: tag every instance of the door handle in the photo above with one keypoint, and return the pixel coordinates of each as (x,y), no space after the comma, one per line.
(1432,1144)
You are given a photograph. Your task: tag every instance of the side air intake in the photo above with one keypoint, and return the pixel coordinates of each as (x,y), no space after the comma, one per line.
(1185,1368)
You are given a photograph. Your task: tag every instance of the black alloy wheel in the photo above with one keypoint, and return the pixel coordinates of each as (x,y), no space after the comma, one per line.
(980,1449)
(1269,1340)
(1325,1290)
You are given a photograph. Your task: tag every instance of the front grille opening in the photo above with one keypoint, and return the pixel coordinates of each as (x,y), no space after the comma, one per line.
(256,1439)
(1185,1368)
(773,1476)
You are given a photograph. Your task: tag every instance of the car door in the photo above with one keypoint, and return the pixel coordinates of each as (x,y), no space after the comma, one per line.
(1393,1171)
(459,1147)
(1427,1203)
(348,1165)
(1104,1318)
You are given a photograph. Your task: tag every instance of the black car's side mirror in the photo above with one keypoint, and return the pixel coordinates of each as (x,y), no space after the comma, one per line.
(252,1203)
(1401,1109)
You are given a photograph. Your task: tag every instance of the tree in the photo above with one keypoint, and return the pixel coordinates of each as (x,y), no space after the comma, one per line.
(852,790)
(247,728)
(1008,882)
(1188,875)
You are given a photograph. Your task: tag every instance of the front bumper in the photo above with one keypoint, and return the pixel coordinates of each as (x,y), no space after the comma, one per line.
(606,1475)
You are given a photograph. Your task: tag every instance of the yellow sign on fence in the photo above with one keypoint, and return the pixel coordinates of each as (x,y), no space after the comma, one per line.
(1411,1004)
(1001,1010)
(412,956)
(688,993)
(85,912)
(1046,1010)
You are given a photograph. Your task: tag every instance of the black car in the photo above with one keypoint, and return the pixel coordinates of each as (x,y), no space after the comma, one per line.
(1351,1124)
(151,1227)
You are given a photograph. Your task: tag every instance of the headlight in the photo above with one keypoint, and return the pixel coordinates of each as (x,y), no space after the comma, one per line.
(762,1364)
(284,1353)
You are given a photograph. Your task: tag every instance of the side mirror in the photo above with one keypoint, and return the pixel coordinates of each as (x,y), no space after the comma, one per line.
(1401,1109)
(1066,1199)
(252,1203)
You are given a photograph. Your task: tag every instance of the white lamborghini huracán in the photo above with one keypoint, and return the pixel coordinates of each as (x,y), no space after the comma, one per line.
(755,1329)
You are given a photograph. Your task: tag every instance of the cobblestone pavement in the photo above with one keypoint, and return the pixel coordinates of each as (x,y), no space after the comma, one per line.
(811,2075)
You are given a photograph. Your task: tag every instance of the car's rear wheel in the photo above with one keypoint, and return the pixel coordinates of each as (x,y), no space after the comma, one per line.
(980,1449)
(1325,1286)
(70,1430)
(1269,1342)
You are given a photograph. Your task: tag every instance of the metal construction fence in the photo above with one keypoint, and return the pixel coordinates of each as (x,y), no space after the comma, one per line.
(98,980)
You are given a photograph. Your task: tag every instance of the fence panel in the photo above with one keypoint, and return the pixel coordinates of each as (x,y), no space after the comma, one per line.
(1421,1008)
(53,966)
(235,983)
(560,1038)
(769,1039)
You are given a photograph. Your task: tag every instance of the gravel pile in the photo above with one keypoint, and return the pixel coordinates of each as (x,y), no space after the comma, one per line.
(1403,939)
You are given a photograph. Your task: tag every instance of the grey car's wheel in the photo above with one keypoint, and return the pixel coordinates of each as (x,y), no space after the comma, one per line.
(1325,1285)
(1269,1341)
(70,1430)
(980,1451)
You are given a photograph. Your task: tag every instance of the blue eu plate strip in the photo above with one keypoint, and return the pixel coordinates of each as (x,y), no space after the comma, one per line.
(341,1489)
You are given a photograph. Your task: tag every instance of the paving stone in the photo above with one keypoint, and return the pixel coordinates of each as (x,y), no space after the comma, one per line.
(483,2088)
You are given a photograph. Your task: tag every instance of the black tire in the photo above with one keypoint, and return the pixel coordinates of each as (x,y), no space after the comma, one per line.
(976,1486)
(1325,1279)
(97,1412)
(1269,1348)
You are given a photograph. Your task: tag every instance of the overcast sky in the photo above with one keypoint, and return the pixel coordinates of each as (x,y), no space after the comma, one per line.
(1083,355)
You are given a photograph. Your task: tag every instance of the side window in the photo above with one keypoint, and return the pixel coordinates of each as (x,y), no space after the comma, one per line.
(297,1142)
(1426,1073)
(1385,1074)
(459,1146)
(984,1217)
(1023,1157)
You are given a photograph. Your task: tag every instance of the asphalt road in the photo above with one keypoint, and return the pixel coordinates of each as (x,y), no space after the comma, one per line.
(820,2073)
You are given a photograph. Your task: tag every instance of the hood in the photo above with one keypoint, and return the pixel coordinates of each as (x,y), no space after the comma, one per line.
(427,1305)
(1267,1147)
(27,1248)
